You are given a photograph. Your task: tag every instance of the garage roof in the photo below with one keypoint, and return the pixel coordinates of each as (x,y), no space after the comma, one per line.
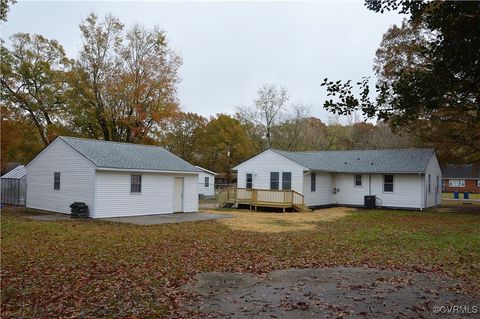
(106,154)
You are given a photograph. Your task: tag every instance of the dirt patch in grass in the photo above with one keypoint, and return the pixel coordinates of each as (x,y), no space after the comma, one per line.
(338,292)
(283,222)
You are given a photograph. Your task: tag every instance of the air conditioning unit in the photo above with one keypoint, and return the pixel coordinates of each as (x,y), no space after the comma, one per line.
(370,201)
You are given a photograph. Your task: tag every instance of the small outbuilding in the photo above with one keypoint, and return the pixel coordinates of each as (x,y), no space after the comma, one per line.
(14,186)
(206,182)
(114,179)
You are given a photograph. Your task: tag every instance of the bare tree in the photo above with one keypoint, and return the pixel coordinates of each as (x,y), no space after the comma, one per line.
(266,112)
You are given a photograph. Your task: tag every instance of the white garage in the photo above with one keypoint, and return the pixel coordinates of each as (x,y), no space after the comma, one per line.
(113,179)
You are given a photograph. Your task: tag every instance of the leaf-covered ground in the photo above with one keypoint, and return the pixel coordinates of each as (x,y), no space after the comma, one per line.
(102,269)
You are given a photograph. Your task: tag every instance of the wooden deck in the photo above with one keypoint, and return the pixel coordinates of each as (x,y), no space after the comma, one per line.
(283,199)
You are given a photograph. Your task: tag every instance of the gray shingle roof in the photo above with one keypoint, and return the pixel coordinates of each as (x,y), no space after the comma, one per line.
(364,161)
(16,173)
(128,156)
(461,171)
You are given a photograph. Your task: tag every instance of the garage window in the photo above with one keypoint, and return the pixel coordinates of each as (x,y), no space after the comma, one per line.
(56,181)
(207,182)
(136,184)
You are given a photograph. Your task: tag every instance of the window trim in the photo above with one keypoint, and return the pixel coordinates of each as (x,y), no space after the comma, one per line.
(246,181)
(393,184)
(355,180)
(429,183)
(313,182)
(55,182)
(277,180)
(206,182)
(457,182)
(132,191)
(283,180)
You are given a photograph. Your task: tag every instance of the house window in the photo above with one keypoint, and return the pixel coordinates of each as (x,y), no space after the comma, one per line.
(456,183)
(249,181)
(438,184)
(358,180)
(478,182)
(388,183)
(56,180)
(207,182)
(274,180)
(313,182)
(136,184)
(429,183)
(286,180)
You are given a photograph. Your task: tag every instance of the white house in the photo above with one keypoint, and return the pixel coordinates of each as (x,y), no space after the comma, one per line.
(399,178)
(206,182)
(113,179)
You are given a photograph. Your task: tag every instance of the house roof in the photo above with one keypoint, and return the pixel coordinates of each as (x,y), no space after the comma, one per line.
(461,171)
(206,170)
(364,161)
(16,173)
(128,156)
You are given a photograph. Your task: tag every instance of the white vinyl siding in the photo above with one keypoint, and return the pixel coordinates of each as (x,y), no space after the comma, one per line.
(76,179)
(434,195)
(260,167)
(114,198)
(203,189)
(407,190)
(323,189)
(347,193)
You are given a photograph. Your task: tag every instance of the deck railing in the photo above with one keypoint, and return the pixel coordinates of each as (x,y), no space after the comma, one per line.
(263,197)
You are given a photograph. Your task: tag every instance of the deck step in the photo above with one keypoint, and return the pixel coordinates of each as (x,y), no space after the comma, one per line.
(301,208)
(228,205)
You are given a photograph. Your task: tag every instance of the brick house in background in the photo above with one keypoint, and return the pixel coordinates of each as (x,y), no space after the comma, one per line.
(464,178)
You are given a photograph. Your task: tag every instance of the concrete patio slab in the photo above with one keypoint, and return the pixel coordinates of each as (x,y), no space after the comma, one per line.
(166,218)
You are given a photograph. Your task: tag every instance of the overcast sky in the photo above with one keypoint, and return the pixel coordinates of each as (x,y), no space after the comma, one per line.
(230,49)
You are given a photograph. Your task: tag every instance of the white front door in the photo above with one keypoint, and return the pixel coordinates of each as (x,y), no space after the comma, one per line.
(178,195)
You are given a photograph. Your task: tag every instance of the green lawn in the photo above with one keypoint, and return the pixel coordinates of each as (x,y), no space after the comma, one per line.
(450,196)
(101,269)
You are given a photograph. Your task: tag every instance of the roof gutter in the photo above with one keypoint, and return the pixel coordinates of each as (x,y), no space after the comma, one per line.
(110,169)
